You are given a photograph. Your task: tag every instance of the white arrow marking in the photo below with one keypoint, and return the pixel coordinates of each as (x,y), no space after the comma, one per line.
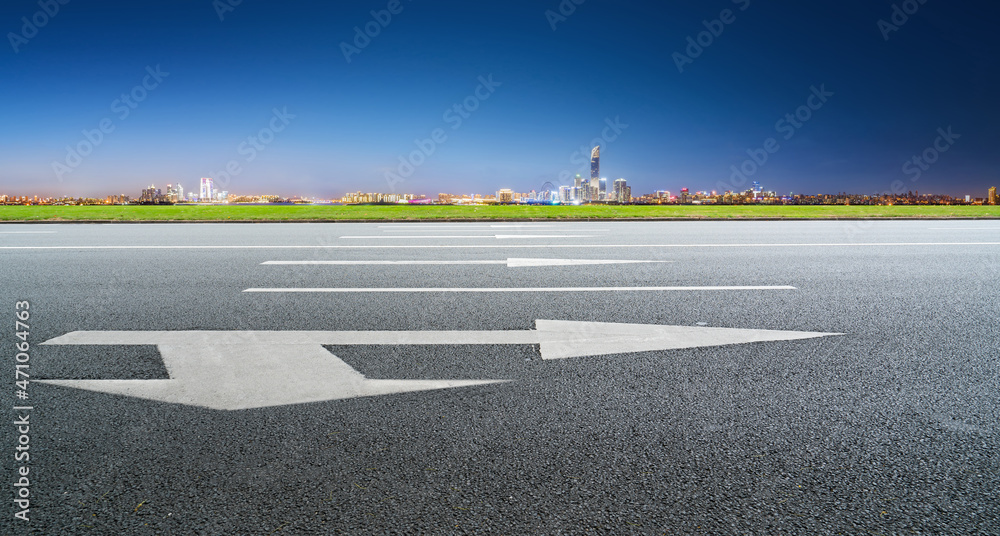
(511,263)
(232,370)
(498,236)
(245,374)
(522,289)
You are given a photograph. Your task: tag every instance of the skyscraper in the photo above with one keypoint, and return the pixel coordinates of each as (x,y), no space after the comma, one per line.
(207,190)
(595,163)
(623,193)
(602,190)
(591,192)
(992,196)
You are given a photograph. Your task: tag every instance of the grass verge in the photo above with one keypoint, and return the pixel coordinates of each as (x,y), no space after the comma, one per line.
(280,213)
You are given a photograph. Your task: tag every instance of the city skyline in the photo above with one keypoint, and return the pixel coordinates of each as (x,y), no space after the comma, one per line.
(393,95)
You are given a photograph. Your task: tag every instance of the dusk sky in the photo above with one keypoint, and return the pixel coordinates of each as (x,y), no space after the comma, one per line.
(349,109)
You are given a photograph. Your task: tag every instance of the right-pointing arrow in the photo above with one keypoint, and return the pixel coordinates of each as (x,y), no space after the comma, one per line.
(559,339)
(232,370)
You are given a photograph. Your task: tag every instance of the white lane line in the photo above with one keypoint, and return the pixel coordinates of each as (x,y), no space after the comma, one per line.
(528,246)
(964,228)
(480,225)
(498,236)
(410,232)
(534,226)
(511,263)
(27,232)
(518,289)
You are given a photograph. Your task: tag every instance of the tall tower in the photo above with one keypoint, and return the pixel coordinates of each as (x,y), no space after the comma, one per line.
(207,191)
(595,163)
(991,198)
(593,188)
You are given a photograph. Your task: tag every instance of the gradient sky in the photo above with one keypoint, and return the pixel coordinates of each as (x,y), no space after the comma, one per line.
(558,89)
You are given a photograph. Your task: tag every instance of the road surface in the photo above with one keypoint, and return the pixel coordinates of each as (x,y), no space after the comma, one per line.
(287,378)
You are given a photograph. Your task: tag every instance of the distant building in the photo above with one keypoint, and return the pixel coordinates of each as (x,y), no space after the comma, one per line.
(151,195)
(207,190)
(622,192)
(684,198)
(566,194)
(505,195)
(602,190)
(595,163)
(992,195)
(592,191)
(368,198)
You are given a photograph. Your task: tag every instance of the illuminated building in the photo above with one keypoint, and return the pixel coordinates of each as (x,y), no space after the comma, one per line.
(505,195)
(151,195)
(207,190)
(622,192)
(592,190)
(992,197)
(565,194)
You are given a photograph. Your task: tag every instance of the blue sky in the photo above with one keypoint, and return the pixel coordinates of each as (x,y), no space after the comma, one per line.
(558,81)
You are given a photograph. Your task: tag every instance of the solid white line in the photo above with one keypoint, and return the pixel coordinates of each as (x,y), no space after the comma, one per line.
(964,228)
(528,246)
(27,232)
(415,232)
(511,263)
(518,289)
(484,226)
(376,237)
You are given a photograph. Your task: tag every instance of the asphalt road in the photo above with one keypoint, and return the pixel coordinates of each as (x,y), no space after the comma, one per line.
(892,427)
